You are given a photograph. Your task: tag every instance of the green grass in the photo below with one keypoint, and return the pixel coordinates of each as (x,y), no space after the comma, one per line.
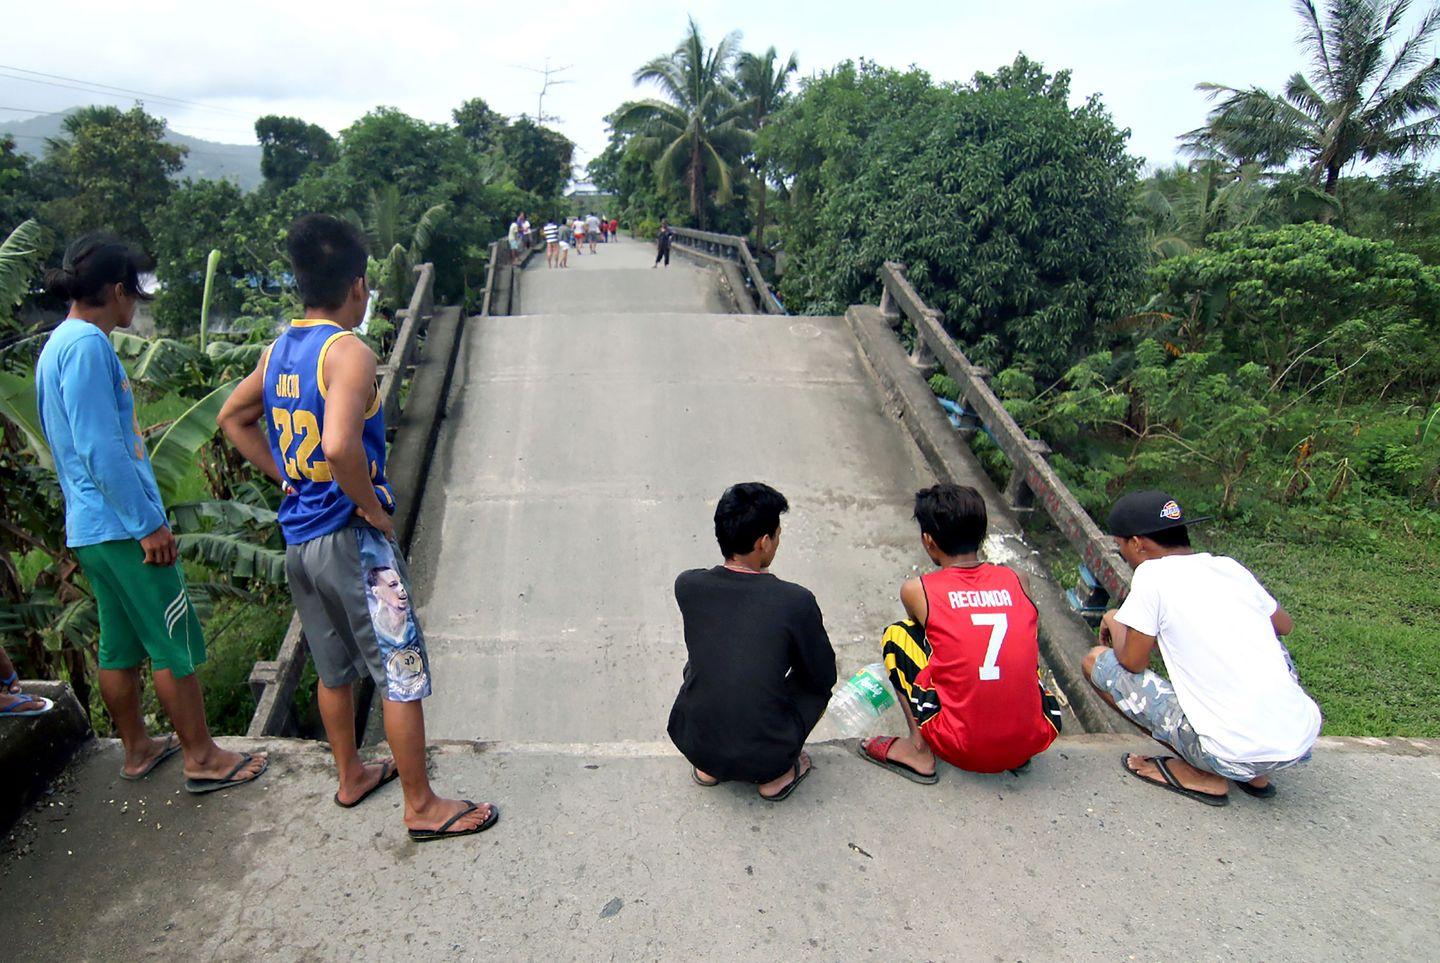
(1367,620)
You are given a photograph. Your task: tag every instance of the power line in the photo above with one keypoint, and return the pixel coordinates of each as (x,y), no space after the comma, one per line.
(91,86)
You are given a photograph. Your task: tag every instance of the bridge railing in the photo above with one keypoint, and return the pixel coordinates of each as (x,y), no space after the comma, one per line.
(1032,479)
(273,682)
(731,247)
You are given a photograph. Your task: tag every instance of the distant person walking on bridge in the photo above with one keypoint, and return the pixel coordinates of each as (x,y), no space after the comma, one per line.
(662,243)
(315,390)
(966,663)
(1233,708)
(116,524)
(579,229)
(552,243)
(512,238)
(614,228)
(592,229)
(760,665)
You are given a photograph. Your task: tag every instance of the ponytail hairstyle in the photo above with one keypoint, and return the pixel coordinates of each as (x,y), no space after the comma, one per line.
(93,264)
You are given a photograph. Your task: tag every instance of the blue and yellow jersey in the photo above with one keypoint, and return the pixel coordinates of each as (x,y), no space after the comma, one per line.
(294,371)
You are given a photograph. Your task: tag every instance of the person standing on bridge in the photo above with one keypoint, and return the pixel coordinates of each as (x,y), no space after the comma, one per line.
(592,229)
(552,243)
(1232,708)
(966,663)
(760,665)
(662,242)
(315,389)
(116,524)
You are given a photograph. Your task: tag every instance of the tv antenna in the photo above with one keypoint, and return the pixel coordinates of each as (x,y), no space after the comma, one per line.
(548,73)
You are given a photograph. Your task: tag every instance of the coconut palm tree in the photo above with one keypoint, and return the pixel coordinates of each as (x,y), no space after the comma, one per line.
(762,87)
(384,228)
(695,129)
(1358,102)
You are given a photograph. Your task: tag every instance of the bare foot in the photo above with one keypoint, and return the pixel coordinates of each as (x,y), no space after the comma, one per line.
(1188,775)
(442,810)
(219,765)
(149,751)
(368,778)
(775,786)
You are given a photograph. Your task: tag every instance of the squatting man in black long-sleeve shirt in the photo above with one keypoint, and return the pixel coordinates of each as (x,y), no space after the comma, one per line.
(760,666)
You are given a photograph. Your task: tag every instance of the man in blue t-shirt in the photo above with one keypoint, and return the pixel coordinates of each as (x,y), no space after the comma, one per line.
(115,521)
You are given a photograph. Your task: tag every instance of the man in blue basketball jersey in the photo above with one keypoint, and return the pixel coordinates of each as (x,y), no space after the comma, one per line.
(324,442)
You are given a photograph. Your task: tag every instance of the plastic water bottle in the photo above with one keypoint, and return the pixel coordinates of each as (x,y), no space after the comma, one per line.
(861,700)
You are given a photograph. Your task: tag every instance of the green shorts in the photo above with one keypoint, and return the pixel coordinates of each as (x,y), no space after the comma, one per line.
(144,610)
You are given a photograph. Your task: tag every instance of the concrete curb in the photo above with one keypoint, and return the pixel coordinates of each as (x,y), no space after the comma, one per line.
(36,749)
(1064,637)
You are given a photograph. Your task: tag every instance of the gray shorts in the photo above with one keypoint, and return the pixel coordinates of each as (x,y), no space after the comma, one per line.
(353,596)
(1150,702)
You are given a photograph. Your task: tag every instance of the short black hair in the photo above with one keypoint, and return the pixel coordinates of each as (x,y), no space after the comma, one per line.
(1175,537)
(92,264)
(953,515)
(747,512)
(327,255)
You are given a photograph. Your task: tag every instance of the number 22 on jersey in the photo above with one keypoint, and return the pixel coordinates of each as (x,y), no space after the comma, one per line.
(998,622)
(300,461)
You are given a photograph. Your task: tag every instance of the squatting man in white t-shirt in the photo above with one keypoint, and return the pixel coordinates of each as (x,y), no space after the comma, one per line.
(1233,708)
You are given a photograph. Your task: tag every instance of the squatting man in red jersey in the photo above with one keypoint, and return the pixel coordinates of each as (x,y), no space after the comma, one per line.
(1232,709)
(966,662)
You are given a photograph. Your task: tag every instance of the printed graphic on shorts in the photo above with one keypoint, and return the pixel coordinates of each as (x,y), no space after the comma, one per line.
(407,668)
(175,611)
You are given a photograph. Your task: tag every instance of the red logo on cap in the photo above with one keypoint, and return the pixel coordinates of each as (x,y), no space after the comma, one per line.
(1171,511)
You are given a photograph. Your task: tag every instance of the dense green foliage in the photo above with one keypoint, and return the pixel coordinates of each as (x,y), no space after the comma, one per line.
(290,147)
(1010,208)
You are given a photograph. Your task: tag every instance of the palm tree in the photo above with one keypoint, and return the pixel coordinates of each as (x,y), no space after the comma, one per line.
(1180,207)
(1356,104)
(695,128)
(383,228)
(762,86)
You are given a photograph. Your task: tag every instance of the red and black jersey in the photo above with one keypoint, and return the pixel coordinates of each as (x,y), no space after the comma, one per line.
(984,664)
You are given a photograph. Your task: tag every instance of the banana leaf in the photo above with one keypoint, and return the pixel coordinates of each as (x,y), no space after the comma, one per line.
(165,363)
(233,555)
(174,453)
(229,514)
(18,405)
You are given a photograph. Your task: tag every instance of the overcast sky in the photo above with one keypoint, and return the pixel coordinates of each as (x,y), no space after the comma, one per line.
(330,62)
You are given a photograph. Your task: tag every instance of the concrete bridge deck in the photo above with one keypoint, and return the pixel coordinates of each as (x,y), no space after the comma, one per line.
(585,446)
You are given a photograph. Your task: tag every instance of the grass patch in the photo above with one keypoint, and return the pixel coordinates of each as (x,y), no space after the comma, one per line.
(1367,621)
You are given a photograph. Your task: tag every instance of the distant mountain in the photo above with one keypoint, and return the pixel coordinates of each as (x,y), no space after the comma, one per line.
(207,160)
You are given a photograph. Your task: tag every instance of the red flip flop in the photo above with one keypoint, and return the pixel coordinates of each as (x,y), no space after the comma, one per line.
(877,750)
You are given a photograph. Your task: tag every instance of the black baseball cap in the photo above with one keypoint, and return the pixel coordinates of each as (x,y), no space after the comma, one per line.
(1146,512)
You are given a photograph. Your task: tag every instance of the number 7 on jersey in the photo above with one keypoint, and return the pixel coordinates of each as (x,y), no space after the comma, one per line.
(998,622)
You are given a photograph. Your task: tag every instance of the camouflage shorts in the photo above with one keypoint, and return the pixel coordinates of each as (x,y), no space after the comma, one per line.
(1150,702)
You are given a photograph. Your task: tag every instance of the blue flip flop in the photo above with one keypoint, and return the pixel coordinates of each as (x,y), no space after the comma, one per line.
(12,712)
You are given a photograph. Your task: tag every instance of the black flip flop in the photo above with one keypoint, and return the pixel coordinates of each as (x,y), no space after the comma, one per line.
(1268,792)
(426,835)
(695,778)
(387,776)
(201,786)
(171,747)
(1171,783)
(784,794)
